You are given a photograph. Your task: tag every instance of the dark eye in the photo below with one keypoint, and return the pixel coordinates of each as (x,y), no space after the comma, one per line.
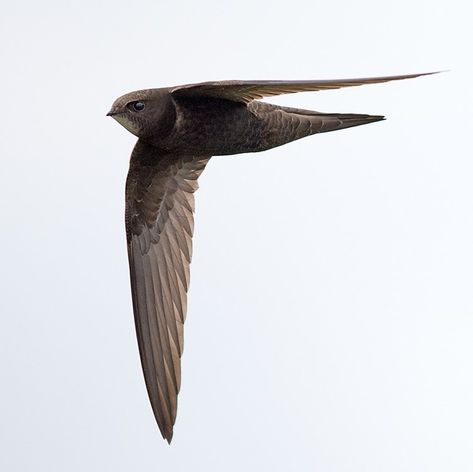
(136,106)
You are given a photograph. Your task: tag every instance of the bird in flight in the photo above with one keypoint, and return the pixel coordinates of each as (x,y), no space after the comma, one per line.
(179,129)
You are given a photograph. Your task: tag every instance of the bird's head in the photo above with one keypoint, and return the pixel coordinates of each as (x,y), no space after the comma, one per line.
(144,112)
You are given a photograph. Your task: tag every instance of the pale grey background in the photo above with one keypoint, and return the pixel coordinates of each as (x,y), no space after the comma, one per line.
(330,324)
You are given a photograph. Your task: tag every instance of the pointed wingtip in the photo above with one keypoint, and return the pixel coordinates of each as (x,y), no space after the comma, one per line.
(423,74)
(166,430)
(168,436)
(435,72)
(413,76)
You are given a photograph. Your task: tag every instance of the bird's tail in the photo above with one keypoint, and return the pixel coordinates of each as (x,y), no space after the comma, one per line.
(324,122)
(334,121)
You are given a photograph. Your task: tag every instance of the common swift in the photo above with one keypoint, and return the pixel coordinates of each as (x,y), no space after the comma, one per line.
(179,129)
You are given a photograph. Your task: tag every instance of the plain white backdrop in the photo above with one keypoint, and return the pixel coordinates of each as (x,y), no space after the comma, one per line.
(330,318)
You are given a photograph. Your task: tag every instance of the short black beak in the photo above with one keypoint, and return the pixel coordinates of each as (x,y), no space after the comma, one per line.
(112,112)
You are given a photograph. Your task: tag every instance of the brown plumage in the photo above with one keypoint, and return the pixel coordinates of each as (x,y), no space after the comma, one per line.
(179,129)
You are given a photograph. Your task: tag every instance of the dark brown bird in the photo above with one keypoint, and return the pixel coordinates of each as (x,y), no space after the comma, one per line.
(179,129)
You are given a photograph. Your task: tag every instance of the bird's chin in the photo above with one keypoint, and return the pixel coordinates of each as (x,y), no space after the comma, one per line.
(127,124)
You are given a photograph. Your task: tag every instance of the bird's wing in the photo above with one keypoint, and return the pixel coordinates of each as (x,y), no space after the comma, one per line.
(159,225)
(246,91)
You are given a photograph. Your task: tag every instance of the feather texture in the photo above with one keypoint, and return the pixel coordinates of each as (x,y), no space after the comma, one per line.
(159,224)
(247,91)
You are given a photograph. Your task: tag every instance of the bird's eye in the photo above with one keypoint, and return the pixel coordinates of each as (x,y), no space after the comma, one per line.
(136,106)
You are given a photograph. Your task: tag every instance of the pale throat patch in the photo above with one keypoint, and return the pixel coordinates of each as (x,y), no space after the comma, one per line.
(128,124)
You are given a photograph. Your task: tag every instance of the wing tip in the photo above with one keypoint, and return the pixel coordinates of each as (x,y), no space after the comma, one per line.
(430,73)
(167,434)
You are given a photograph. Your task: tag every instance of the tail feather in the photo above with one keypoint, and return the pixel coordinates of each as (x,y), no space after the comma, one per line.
(324,122)
(335,121)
